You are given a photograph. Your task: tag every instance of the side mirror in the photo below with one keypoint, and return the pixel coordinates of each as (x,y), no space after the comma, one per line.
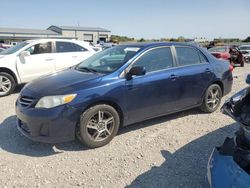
(135,71)
(24,54)
(248,79)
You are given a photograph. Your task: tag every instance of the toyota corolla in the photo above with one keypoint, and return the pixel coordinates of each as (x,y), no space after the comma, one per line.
(121,86)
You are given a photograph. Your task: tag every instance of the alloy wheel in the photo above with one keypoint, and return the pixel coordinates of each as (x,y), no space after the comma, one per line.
(213,98)
(100,126)
(5,85)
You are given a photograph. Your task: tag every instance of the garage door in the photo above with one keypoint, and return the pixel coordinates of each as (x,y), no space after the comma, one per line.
(88,37)
(103,38)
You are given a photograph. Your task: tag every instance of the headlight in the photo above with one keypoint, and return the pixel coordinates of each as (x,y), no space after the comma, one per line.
(53,101)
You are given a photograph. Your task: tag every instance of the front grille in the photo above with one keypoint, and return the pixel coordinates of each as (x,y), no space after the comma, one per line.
(26,101)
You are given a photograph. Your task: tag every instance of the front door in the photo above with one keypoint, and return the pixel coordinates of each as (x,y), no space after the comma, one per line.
(154,93)
(40,62)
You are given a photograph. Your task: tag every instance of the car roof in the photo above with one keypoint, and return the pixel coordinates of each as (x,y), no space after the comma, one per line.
(54,39)
(154,44)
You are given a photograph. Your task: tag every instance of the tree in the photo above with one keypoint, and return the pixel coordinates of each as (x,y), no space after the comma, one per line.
(142,40)
(181,39)
(247,39)
(117,38)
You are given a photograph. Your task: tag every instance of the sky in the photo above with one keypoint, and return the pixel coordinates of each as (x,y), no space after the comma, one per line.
(150,19)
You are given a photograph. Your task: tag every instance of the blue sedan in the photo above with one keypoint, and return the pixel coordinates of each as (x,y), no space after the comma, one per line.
(121,86)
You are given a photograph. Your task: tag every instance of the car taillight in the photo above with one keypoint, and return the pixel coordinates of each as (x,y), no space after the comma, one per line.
(217,55)
(231,68)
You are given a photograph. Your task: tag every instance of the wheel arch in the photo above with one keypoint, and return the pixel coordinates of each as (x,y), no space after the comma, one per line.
(110,103)
(6,70)
(220,83)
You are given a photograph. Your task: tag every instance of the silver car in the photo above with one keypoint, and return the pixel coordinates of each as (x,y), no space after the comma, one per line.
(245,50)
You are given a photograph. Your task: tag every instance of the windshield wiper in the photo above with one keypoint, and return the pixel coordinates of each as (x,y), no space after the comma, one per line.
(86,69)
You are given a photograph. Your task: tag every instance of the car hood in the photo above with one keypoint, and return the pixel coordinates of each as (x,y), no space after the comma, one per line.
(64,82)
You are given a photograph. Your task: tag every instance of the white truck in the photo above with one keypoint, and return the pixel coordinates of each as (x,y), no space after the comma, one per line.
(32,59)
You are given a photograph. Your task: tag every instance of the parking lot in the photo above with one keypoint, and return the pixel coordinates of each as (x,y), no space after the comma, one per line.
(171,151)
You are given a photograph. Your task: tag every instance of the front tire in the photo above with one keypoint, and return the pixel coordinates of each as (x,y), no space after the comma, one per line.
(7,84)
(212,99)
(98,126)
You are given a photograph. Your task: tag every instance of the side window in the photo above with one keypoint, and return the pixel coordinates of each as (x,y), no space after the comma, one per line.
(203,58)
(187,56)
(156,59)
(79,48)
(68,47)
(40,48)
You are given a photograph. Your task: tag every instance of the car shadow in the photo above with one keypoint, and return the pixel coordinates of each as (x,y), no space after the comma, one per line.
(18,88)
(11,140)
(159,120)
(187,166)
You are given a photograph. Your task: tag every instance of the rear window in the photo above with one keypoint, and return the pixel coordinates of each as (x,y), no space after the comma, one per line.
(62,47)
(187,56)
(220,49)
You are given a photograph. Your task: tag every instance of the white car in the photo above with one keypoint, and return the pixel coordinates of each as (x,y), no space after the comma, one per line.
(32,59)
(245,50)
(2,49)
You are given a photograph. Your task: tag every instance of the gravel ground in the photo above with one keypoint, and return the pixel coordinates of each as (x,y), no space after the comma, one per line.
(170,151)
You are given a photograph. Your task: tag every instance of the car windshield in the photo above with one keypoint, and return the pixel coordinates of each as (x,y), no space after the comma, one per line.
(244,47)
(218,49)
(14,49)
(109,60)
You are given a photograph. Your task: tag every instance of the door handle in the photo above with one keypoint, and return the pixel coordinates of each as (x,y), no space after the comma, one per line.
(49,59)
(74,56)
(173,77)
(208,70)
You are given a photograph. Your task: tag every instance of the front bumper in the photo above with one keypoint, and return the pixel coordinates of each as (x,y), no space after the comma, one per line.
(48,125)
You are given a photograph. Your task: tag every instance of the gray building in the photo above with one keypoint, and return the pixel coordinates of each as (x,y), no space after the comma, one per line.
(90,34)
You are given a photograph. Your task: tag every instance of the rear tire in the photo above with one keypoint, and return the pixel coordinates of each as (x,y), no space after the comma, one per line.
(212,99)
(98,126)
(7,84)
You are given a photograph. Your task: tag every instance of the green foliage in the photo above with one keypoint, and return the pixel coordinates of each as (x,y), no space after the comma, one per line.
(247,39)
(222,40)
(141,40)
(117,38)
(181,39)
(164,39)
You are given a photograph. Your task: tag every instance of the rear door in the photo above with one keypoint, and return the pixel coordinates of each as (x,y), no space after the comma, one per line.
(40,62)
(193,76)
(69,54)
